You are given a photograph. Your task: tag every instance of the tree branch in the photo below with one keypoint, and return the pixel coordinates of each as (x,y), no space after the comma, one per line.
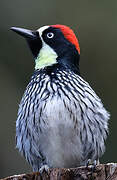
(102,172)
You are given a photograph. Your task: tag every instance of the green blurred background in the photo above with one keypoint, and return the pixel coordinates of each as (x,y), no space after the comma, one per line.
(95,23)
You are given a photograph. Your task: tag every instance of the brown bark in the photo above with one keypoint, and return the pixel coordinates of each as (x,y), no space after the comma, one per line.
(102,172)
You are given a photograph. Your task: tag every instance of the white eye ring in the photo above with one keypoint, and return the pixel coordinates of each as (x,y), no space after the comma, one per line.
(50,35)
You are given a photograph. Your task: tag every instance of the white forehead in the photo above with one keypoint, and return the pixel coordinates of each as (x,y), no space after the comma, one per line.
(40,30)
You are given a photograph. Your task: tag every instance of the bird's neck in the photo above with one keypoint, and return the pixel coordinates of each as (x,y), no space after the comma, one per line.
(52,71)
(48,59)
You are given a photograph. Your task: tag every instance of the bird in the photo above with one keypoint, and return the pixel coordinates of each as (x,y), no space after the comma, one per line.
(61,121)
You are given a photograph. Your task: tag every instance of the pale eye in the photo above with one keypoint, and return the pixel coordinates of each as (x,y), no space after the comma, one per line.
(50,35)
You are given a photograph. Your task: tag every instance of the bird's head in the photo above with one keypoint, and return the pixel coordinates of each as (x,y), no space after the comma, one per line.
(54,44)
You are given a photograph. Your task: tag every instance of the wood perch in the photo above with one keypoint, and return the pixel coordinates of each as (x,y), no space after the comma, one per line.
(102,172)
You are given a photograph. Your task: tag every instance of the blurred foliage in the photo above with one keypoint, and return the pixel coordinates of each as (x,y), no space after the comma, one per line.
(95,24)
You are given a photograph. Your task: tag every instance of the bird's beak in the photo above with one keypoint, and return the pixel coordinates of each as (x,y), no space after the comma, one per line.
(32,37)
(24,32)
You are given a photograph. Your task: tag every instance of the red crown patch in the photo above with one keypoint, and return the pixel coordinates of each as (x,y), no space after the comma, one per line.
(69,35)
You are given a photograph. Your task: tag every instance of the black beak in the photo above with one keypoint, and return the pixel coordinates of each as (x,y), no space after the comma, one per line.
(24,32)
(32,37)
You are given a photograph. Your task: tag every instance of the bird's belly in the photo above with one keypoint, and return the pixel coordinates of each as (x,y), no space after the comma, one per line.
(59,140)
(61,147)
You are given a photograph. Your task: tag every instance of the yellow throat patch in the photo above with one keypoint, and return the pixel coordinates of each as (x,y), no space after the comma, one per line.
(47,57)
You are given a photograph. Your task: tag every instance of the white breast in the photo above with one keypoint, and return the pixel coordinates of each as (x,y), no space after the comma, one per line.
(60,141)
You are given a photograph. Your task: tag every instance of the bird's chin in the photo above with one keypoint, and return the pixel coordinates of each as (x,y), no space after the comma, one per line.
(35,46)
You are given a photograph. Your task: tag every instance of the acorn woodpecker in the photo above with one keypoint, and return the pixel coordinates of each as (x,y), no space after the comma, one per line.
(61,121)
